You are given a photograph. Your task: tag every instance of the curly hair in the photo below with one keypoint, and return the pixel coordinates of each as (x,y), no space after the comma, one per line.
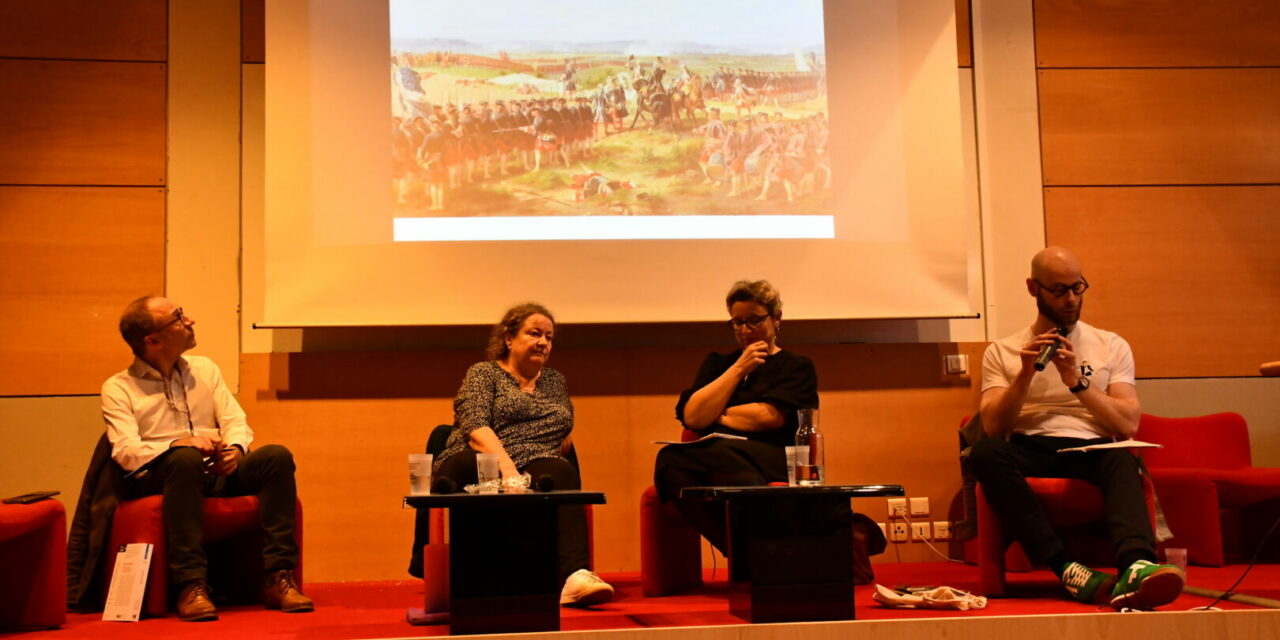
(757,291)
(510,324)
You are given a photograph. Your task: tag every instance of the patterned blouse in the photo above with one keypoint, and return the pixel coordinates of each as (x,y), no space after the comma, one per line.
(530,425)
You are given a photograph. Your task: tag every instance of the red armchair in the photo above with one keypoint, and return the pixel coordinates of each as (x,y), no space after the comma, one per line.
(33,565)
(670,548)
(230,531)
(1205,467)
(1068,502)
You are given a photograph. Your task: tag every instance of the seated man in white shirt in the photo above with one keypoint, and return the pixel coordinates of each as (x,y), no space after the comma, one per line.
(1087,396)
(177,430)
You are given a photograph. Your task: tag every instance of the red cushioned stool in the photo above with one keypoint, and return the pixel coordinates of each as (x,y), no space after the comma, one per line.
(232,540)
(33,565)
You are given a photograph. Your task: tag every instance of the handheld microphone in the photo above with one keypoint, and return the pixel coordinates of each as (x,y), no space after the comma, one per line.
(1048,351)
(443,484)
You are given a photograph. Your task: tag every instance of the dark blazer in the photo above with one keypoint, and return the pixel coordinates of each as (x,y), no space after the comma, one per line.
(86,546)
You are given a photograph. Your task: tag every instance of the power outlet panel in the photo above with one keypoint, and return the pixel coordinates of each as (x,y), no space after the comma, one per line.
(897,507)
(919,506)
(919,531)
(941,530)
(898,531)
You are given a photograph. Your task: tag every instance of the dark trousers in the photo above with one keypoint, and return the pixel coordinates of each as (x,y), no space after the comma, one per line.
(1002,467)
(715,462)
(573,548)
(180,476)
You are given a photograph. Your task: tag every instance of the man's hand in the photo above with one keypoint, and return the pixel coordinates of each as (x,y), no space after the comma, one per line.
(206,445)
(752,357)
(1065,361)
(1031,350)
(226,461)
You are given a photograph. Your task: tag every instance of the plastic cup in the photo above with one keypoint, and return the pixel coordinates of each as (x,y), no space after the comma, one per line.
(791,466)
(1176,557)
(487,470)
(419,474)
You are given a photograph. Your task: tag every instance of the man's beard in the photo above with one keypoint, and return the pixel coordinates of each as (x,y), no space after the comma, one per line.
(1058,319)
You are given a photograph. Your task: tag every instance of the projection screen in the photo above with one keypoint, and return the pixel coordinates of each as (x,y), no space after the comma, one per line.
(431,162)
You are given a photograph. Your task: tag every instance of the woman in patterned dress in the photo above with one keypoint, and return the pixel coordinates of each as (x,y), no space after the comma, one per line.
(514,406)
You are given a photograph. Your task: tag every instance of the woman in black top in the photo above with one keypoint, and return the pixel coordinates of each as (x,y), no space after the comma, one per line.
(753,393)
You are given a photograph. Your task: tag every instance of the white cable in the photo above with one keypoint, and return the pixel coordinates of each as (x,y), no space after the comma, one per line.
(930,544)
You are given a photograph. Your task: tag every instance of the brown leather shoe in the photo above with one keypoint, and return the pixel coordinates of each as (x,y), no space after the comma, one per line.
(194,604)
(282,592)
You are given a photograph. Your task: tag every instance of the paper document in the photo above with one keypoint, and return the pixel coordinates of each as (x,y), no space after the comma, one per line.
(1119,444)
(706,437)
(128,583)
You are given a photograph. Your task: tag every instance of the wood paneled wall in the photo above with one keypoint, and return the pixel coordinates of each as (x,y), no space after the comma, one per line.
(1160,142)
(82,164)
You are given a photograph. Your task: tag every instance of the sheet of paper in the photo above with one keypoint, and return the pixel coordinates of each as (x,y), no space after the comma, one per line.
(1119,444)
(706,437)
(128,583)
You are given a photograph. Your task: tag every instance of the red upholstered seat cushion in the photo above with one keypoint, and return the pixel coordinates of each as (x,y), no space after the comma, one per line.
(140,520)
(1067,501)
(1246,487)
(20,519)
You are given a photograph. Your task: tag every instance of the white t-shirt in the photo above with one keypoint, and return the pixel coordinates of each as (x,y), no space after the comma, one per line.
(1050,408)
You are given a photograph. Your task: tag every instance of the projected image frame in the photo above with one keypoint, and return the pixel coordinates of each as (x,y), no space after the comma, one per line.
(651,119)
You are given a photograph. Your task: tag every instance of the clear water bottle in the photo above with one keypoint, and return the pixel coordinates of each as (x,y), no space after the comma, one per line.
(810,470)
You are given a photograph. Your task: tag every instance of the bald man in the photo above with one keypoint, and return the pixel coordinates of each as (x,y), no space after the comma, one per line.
(1085,396)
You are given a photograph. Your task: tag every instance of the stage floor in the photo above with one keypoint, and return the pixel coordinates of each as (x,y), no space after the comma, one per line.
(377,609)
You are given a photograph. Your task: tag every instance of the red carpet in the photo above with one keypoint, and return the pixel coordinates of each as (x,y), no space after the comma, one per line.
(377,609)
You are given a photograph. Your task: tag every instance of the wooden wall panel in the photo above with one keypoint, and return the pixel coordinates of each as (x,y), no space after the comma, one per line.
(888,413)
(1188,275)
(964,33)
(253,31)
(1160,126)
(71,258)
(1157,33)
(82,123)
(80,30)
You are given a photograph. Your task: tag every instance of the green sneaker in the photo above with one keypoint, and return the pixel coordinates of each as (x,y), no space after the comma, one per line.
(1146,585)
(1087,585)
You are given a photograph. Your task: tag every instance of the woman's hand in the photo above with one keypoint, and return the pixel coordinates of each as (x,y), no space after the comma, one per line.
(507,468)
(752,357)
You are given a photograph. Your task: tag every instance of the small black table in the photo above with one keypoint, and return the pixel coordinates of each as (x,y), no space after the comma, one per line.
(791,549)
(503,573)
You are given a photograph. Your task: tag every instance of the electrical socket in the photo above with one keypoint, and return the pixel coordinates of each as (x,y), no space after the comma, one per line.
(897,507)
(919,531)
(920,506)
(898,531)
(941,530)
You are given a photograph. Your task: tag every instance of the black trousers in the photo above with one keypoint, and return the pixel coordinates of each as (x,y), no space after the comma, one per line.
(574,551)
(1002,467)
(179,475)
(715,462)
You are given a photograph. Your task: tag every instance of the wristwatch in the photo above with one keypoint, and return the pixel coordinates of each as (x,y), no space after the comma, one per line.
(1080,386)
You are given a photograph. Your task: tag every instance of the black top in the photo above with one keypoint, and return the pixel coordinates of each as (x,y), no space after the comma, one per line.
(786,380)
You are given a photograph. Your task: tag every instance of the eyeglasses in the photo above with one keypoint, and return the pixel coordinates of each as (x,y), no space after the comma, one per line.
(1059,290)
(752,323)
(177,317)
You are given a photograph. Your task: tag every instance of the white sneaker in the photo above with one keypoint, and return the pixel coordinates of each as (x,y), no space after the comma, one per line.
(584,588)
